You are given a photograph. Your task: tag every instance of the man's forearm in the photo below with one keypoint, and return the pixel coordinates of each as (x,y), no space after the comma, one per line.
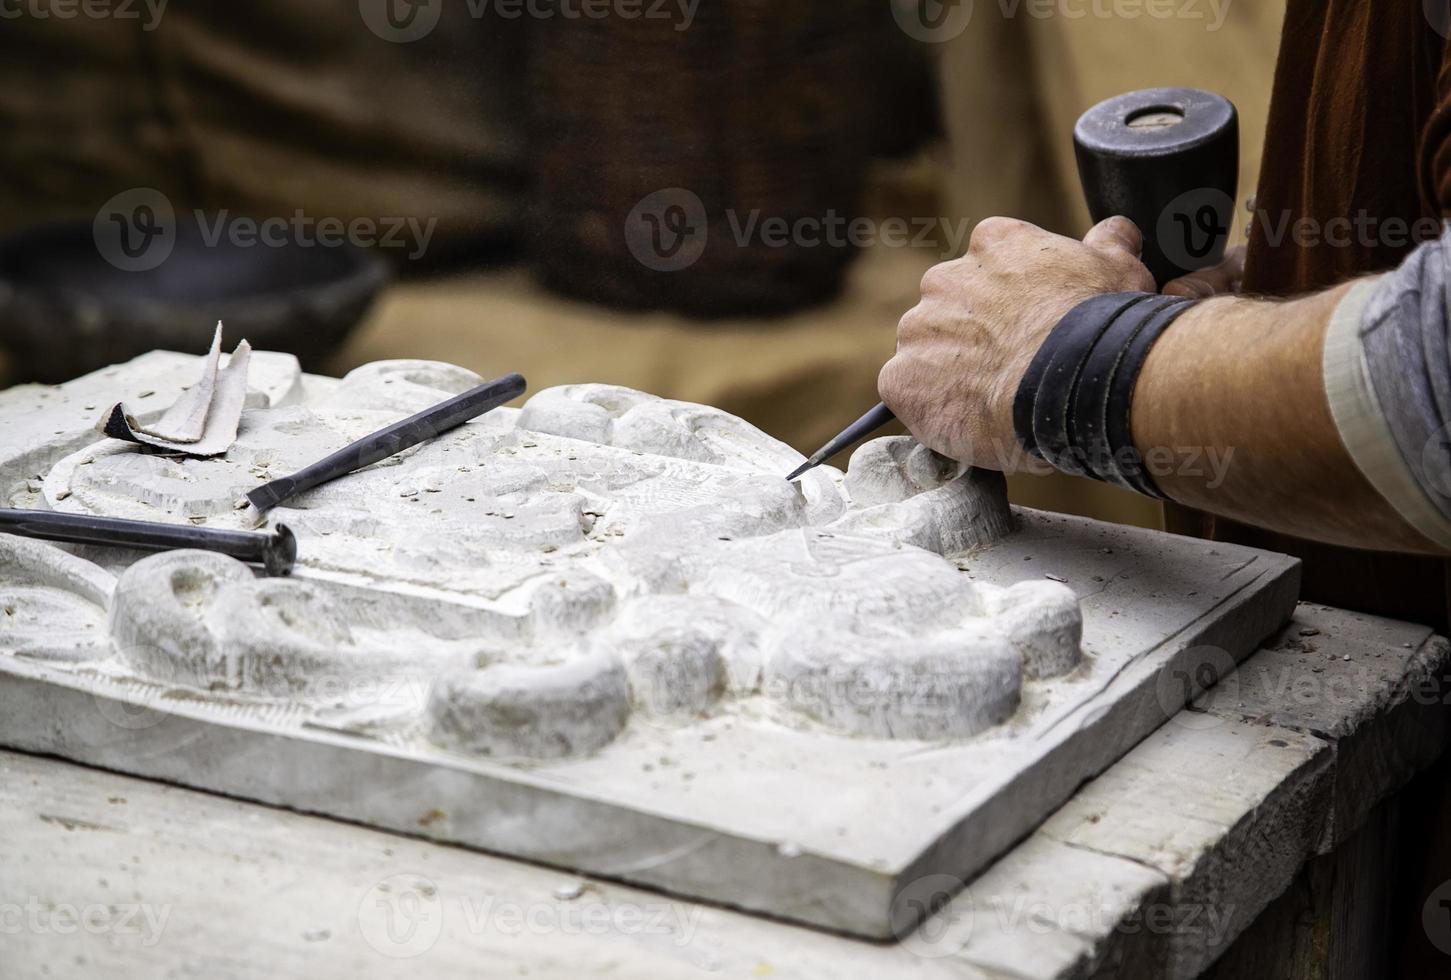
(1242,381)
(1240,407)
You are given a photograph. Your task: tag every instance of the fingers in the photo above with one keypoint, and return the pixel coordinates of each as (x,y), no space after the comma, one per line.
(890,385)
(1213,281)
(1116,234)
(910,390)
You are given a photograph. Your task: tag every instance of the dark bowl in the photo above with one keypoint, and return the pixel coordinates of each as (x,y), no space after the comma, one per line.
(66,308)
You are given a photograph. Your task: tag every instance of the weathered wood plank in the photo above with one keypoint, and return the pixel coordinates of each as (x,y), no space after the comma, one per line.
(1373,686)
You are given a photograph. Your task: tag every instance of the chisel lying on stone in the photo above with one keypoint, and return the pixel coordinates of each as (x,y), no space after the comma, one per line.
(276,552)
(385,442)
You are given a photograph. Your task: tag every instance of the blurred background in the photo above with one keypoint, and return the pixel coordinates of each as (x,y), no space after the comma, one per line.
(724,201)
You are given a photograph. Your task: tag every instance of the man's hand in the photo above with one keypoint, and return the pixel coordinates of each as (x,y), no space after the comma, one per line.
(963,350)
(1217,280)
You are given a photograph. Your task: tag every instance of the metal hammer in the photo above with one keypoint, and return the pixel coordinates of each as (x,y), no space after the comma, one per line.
(1167,159)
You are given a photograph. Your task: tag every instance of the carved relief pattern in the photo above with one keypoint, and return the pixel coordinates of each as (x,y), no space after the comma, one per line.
(544,577)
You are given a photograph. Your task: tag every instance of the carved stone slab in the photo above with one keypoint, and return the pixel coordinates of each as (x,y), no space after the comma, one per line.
(602,632)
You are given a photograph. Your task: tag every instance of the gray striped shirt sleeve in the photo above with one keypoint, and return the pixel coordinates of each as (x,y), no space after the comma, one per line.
(1388,377)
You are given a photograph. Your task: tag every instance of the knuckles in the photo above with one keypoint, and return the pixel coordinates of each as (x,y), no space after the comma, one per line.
(939,277)
(993,231)
(912,326)
(1127,272)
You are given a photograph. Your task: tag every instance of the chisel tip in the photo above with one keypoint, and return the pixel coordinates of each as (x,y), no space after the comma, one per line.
(873,420)
(800,470)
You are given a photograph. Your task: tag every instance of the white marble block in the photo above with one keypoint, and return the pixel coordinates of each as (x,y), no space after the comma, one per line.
(570,519)
(603,631)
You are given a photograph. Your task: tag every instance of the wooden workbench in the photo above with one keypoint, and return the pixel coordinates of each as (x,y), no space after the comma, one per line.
(1153,869)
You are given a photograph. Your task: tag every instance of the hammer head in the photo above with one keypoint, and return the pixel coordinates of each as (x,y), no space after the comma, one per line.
(1168,159)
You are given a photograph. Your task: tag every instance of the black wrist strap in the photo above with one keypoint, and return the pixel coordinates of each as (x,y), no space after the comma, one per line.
(1043,408)
(1104,397)
(1072,407)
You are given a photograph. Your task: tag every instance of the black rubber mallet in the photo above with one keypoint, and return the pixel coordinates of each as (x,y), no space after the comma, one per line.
(1165,158)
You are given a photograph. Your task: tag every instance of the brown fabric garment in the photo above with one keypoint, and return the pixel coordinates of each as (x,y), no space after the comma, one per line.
(1360,128)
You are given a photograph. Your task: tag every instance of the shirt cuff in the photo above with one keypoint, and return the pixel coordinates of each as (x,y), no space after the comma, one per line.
(1362,423)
